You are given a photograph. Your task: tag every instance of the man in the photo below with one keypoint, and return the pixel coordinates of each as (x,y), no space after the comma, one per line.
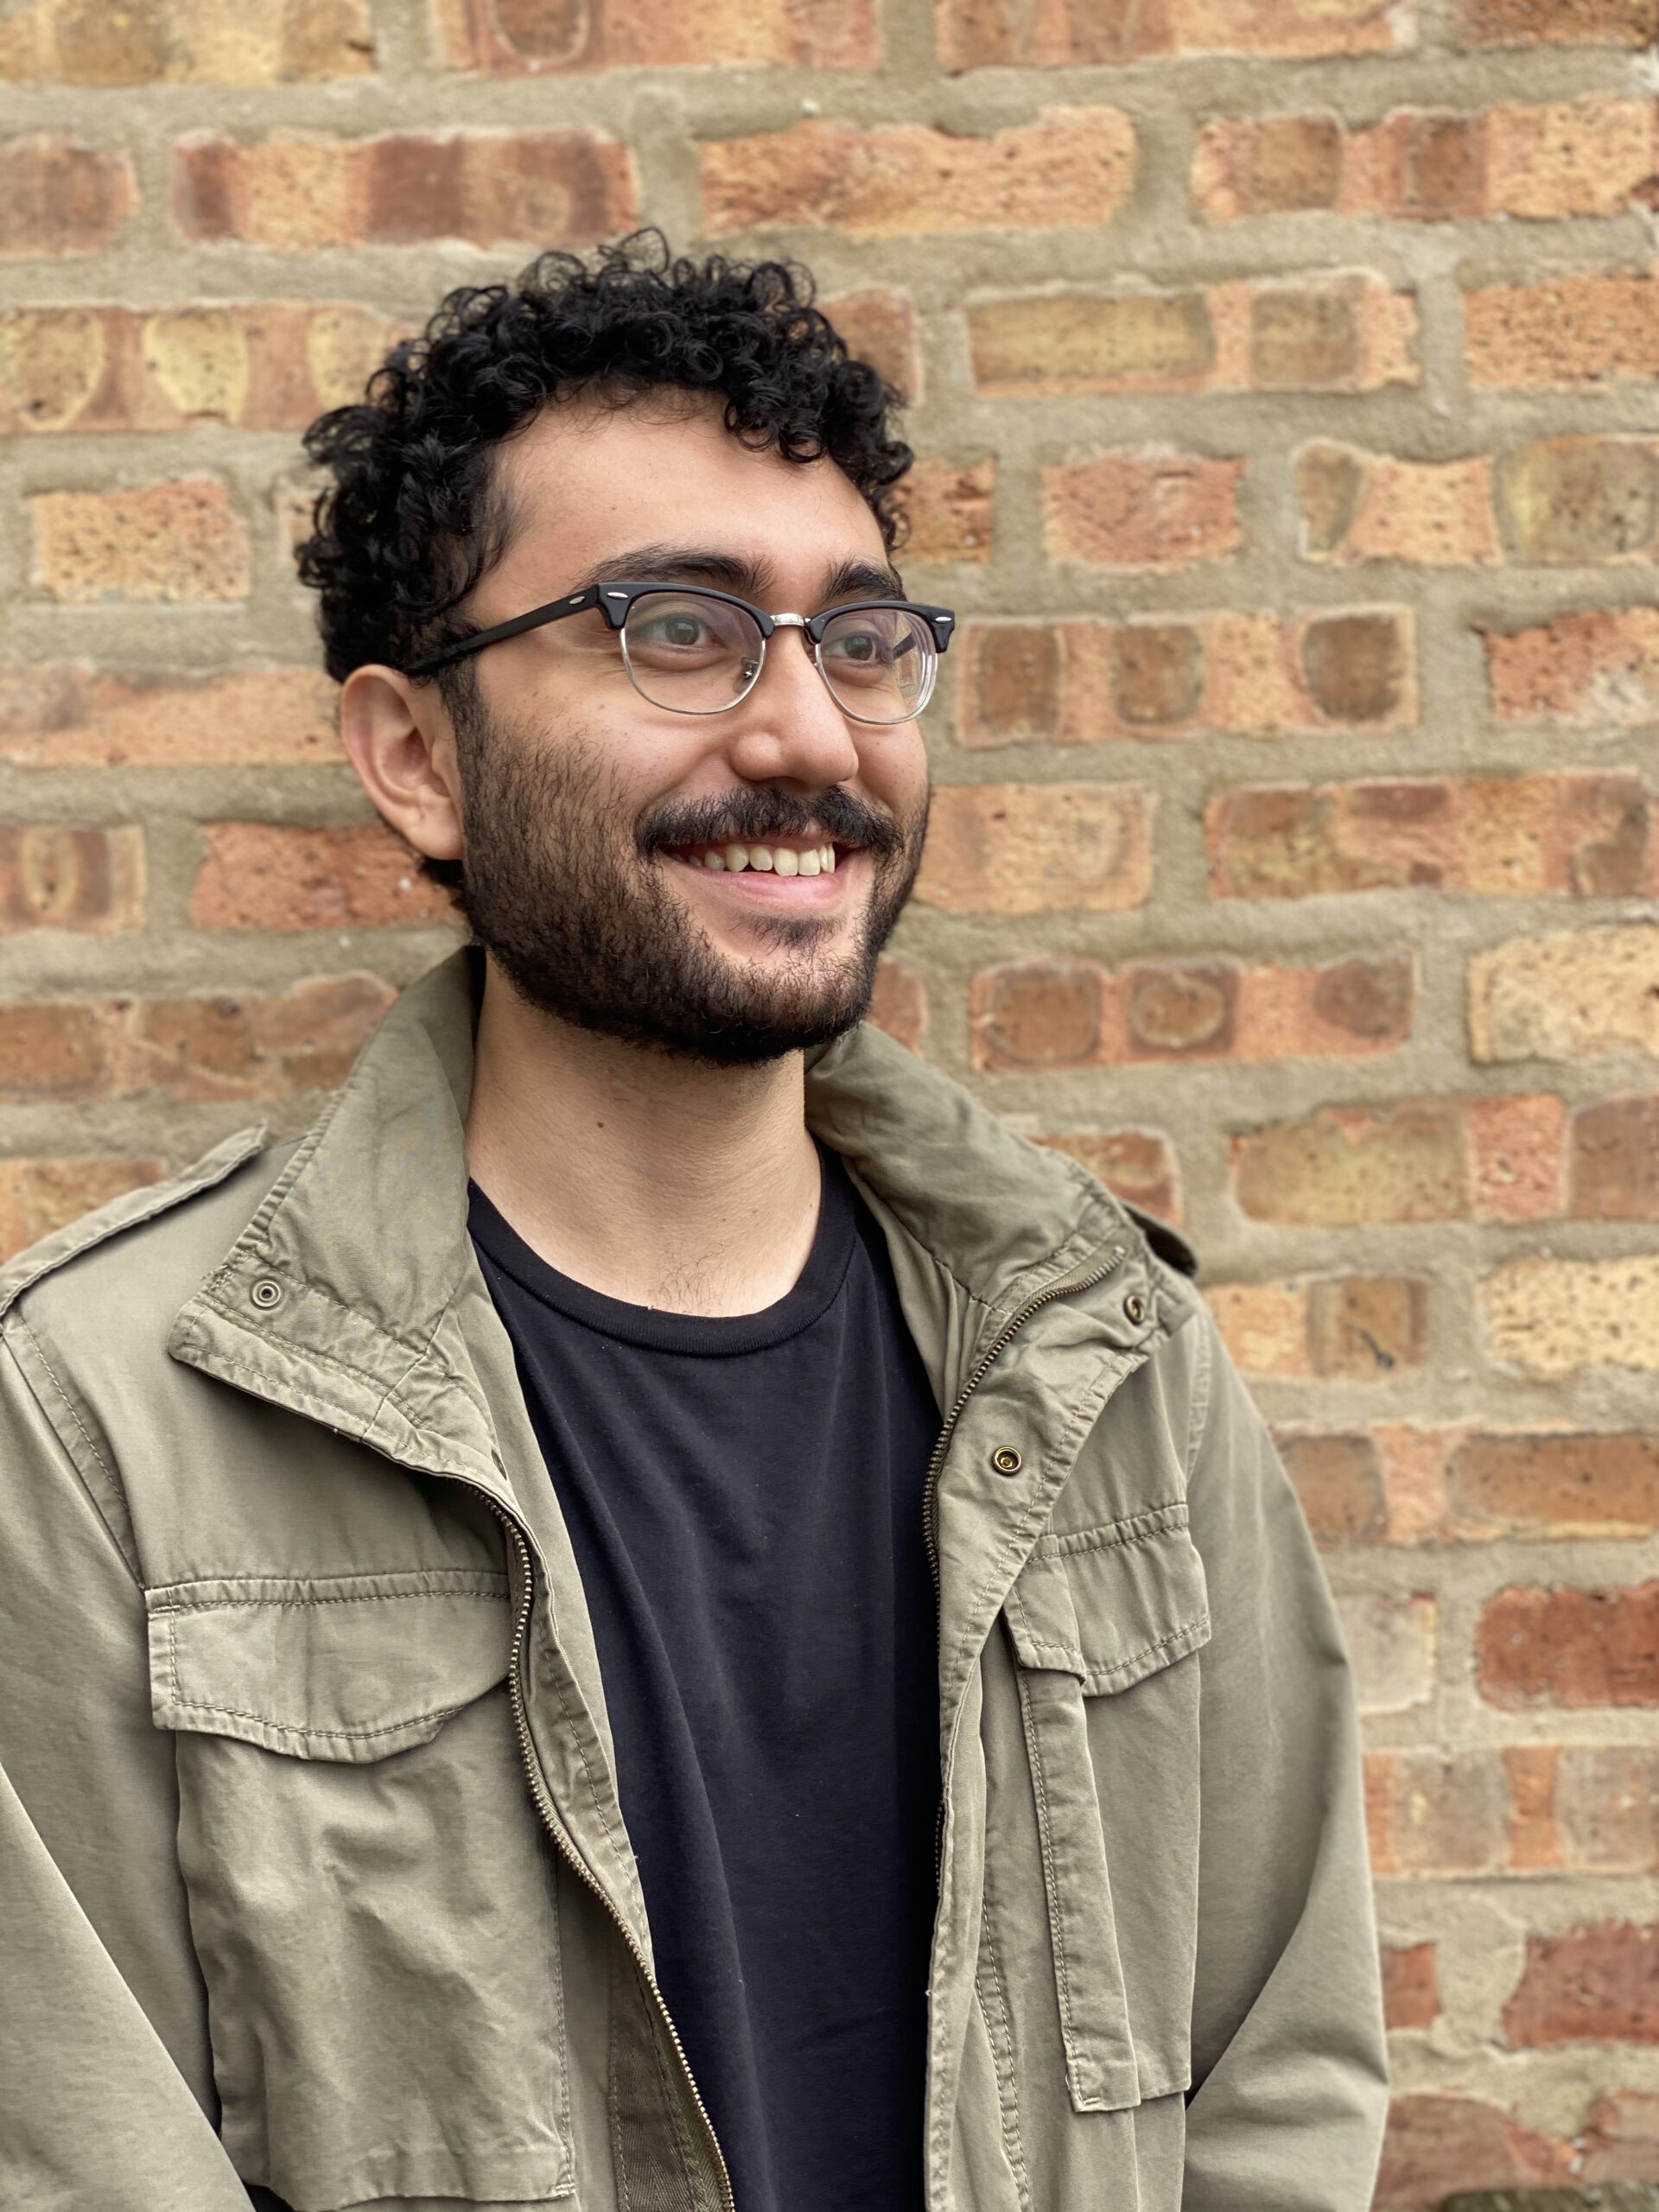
(660,1614)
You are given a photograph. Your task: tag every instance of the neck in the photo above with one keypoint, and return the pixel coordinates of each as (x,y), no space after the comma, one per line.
(664,1182)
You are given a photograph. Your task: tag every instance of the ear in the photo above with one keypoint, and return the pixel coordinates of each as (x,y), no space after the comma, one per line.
(399,739)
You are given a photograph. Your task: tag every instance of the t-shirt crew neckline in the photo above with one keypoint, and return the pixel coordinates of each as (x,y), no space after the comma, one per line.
(696,1335)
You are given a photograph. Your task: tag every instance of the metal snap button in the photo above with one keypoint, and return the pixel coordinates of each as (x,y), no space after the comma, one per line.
(1134,1307)
(1006,1460)
(266,1292)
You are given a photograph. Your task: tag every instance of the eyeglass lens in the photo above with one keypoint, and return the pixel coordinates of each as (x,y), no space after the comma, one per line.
(697,655)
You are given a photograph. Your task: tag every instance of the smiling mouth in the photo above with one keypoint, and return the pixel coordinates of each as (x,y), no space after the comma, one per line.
(783,857)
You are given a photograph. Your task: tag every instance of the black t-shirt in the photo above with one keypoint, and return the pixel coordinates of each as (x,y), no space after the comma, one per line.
(744,1499)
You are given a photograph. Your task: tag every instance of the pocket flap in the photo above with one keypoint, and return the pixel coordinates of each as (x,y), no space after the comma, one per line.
(1111,1604)
(345,1667)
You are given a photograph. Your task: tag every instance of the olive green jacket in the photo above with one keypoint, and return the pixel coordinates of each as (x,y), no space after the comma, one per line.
(315,1884)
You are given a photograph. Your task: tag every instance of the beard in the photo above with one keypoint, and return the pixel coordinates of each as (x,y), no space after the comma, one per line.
(577,907)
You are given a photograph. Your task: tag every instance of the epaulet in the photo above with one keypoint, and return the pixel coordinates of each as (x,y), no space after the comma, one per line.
(1174,1251)
(125,1212)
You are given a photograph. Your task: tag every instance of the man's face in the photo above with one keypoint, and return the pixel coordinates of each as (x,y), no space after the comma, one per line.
(588,812)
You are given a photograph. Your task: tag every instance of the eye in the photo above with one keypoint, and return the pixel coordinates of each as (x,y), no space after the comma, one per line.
(680,630)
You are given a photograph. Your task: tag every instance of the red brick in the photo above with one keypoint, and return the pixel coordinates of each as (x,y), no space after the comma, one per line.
(182,42)
(1424,1159)
(1060,34)
(180,539)
(948,508)
(70,714)
(38,1196)
(224,1047)
(1554,1486)
(274,366)
(54,877)
(880,326)
(537,37)
(1360,507)
(1037,849)
(1411,1986)
(1438,2143)
(1592,667)
(1139,1166)
(1151,509)
(1585,158)
(1597,1983)
(1086,683)
(1562,334)
(1572,833)
(58,198)
(1570,1648)
(1568,996)
(294,194)
(1622,2141)
(899,1004)
(1071,1014)
(1339,1482)
(1072,167)
(1559,22)
(1615,1162)
(1342,330)
(259,875)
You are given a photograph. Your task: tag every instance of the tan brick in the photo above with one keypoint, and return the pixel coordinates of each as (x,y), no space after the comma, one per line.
(184,42)
(1553,1486)
(1058,33)
(58,198)
(1070,1013)
(274,366)
(1360,507)
(1583,158)
(226,1046)
(1072,167)
(1433,1812)
(880,326)
(39,1196)
(1344,330)
(54,877)
(1615,1160)
(70,714)
(1579,834)
(1426,1160)
(1037,849)
(948,509)
(1550,1318)
(1391,1643)
(1566,997)
(1350,1328)
(1529,1809)
(899,1004)
(1580,499)
(1562,334)
(1595,1983)
(179,539)
(533,37)
(1085,683)
(1139,1165)
(259,875)
(1590,667)
(1150,509)
(1411,1989)
(1339,1480)
(295,194)
(1559,22)
(1263,1324)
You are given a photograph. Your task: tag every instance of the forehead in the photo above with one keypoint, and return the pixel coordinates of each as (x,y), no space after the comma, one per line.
(585,479)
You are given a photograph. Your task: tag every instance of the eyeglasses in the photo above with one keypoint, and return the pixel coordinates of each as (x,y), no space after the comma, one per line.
(700,652)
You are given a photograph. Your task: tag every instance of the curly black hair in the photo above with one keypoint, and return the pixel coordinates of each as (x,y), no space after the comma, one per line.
(409,524)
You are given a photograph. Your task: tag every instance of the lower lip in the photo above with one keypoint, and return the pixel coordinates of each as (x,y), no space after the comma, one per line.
(765,888)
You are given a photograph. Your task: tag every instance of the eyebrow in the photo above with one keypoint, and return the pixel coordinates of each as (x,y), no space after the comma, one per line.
(732,572)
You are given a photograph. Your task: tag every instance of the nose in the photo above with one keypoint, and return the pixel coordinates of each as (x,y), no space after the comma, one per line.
(790,729)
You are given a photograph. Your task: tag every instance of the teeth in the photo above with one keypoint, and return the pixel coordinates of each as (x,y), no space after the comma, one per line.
(713,859)
(810,863)
(785,862)
(760,857)
(827,861)
(780,860)
(737,858)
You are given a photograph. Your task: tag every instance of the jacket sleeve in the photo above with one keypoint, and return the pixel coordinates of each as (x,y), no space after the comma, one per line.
(1289,2057)
(106,2082)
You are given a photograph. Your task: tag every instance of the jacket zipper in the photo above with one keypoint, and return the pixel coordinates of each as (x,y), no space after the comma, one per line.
(981,1367)
(544,1805)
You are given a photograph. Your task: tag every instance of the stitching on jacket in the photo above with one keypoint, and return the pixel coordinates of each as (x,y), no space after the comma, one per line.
(299,1727)
(21,1324)
(365,1598)
(1122,1666)
(1000,2032)
(1051,1874)
(1106,1538)
(1199,1415)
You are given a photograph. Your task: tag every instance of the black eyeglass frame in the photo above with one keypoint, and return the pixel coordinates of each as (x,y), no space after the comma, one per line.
(615,602)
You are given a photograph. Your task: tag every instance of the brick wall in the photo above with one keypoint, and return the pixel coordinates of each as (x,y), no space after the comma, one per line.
(1284,378)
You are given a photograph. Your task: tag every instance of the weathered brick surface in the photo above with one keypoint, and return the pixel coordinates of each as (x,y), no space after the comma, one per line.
(1283,375)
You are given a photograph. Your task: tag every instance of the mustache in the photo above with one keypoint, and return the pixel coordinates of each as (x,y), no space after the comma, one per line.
(754,816)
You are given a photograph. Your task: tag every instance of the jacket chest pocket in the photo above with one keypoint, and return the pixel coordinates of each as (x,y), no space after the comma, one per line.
(1100,1621)
(370,1897)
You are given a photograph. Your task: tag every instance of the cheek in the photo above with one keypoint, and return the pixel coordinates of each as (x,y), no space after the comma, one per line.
(894,771)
